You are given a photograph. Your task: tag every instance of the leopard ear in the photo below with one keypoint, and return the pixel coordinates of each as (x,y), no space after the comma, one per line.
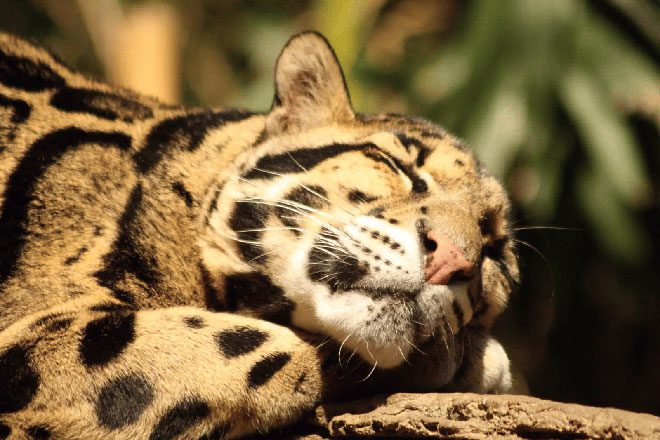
(310,89)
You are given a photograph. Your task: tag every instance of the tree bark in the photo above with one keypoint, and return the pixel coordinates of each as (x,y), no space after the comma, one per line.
(472,416)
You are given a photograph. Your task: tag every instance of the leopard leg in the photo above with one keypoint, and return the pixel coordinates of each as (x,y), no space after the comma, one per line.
(94,368)
(485,367)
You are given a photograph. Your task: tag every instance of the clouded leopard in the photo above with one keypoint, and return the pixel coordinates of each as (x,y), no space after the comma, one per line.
(210,273)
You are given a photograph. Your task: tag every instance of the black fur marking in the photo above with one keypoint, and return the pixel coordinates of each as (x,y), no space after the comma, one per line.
(458,312)
(181,191)
(59,325)
(122,400)
(308,195)
(105,105)
(357,196)
(180,418)
(218,432)
(75,258)
(336,273)
(45,320)
(194,322)
(265,369)
(20,109)
(255,291)
(423,150)
(307,158)
(22,183)
(211,295)
(38,432)
(126,256)
(247,217)
(18,380)
(240,340)
(110,307)
(459,162)
(26,74)
(182,133)
(105,338)
(4,431)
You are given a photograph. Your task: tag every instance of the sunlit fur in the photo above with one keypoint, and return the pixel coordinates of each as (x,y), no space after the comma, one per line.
(134,235)
(387,312)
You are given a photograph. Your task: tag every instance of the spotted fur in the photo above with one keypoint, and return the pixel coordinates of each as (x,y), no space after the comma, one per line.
(172,273)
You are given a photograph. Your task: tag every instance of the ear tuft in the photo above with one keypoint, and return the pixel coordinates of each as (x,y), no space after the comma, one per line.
(310,89)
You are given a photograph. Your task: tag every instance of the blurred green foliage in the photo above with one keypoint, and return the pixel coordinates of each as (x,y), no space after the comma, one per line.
(560,99)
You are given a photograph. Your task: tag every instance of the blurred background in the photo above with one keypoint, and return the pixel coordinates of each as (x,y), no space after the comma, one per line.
(560,99)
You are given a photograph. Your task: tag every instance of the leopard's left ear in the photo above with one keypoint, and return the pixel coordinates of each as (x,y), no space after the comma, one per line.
(310,89)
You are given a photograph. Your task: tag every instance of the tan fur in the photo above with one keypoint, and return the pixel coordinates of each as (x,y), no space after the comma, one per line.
(140,236)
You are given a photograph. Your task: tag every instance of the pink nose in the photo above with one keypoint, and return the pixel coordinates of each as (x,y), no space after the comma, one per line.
(446,261)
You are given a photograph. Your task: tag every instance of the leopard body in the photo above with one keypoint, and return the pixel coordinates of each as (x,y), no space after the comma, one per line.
(210,273)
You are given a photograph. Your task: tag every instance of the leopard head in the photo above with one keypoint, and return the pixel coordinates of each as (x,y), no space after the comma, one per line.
(379,231)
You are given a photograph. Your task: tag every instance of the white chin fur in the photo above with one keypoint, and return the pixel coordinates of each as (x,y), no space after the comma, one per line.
(353,319)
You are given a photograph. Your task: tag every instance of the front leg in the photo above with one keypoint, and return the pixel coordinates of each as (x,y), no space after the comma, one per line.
(95,369)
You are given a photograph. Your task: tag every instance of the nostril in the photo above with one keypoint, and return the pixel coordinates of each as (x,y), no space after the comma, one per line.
(429,244)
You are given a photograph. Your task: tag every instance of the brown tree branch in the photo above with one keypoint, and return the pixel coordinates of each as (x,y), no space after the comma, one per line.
(473,416)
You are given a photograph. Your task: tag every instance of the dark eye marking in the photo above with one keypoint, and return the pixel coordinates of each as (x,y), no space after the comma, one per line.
(419,185)
(423,150)
(298,161)
(357,196)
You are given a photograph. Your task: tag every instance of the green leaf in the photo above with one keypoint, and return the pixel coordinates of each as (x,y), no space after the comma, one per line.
(617,230)
(606,136)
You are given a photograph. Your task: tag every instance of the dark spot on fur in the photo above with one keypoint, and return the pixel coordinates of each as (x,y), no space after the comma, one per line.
(4,431)
(240,340)
(336,273)
(424,210)
(395,246)
(182,192)
(22,183)
(308,195)
(458,311)
(110,307)
(256,292)
(212,297)
(180,418)
(105,338)
(45,320)
(127,257)
(26,74)
(246,218)
(20,109)
(38,432)
(459,162)
(122,400)
(265,369)
(393,221)
(75,258)
(375,234)
(182,133)
(105,105)
(357,196)
(59,325)
(98,231)
(18,380)
(194,322)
